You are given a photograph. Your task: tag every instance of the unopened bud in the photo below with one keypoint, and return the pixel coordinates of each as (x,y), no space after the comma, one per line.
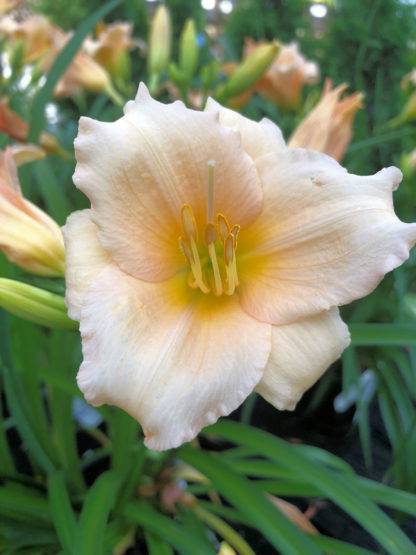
(35,304)
(251,69)
(159,41)
(188,49)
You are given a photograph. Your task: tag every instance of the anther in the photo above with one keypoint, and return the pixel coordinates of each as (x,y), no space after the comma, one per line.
(185,250)
(188,222)
(223,227)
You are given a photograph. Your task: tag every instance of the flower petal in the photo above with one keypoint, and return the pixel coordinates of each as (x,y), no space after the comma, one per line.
(324,238)
(140,170)
(257,138)
(173,358)
(300,354)
(84,259)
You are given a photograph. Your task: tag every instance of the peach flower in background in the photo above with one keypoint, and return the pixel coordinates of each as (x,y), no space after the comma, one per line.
(7,6)
(36,33)
(112,43)
(18,129)
(212,262)
(82,73)
(283,82)
(328,127)
(28,236)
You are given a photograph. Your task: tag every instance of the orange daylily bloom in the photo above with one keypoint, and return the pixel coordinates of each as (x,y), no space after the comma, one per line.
(18,129)
(328,127)
(7,6)
(283,82)
(112,43)
(212,262)
(28,236)
(82,73)
(35,32)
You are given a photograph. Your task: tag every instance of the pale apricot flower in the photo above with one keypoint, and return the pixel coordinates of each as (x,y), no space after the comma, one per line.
(28,236)
(283,82)
(35,32)
(82,73)
(9,5)
(212,261)
(112,43)
(328,127)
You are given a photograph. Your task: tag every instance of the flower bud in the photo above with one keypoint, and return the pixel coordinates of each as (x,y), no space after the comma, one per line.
(35,304)
(251,69)
(407,114)
(188,49)
(28,236)
(159,42)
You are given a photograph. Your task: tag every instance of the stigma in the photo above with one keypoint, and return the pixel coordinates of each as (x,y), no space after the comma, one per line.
(211,257)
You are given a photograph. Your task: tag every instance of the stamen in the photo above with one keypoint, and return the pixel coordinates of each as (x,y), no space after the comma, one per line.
(210,199)
(223,227)
(188,222)
(229,258)
(210,238)
(185,250)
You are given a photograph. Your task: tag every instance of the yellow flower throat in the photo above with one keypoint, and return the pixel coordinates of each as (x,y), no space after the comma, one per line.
(215,269)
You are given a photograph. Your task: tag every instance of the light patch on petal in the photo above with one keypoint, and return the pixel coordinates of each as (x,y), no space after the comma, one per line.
(324,238)
(84,259)
(171,357)
(257,138)
(300,354)
(140,170)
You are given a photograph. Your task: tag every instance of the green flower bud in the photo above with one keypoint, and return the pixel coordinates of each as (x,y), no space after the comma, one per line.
(35,304)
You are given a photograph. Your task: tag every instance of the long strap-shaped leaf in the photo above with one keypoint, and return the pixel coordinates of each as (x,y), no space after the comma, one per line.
(250,501)
(330,483)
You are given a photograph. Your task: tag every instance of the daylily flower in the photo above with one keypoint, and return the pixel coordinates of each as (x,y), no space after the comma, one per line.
(35,32)
(284,80)
(82,73)
(112,44)
(18,129)
(212,261)
(28,236)
(328,127)
(9,5)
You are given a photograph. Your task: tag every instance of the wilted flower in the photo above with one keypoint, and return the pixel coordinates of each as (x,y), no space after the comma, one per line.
(18,129)
(28,236)
(328,127)
(284,80)
(212,261)
(35,32)
(111,45)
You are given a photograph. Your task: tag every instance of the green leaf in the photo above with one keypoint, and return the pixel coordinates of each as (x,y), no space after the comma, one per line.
(94,515)
(382,334)
(251,501)
(184,540)
(330,545)
(61,64)
(62,513)
(23,424)
(349,498)
(157,545)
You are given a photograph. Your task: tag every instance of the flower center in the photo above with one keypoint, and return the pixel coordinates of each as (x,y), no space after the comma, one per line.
(213,263)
